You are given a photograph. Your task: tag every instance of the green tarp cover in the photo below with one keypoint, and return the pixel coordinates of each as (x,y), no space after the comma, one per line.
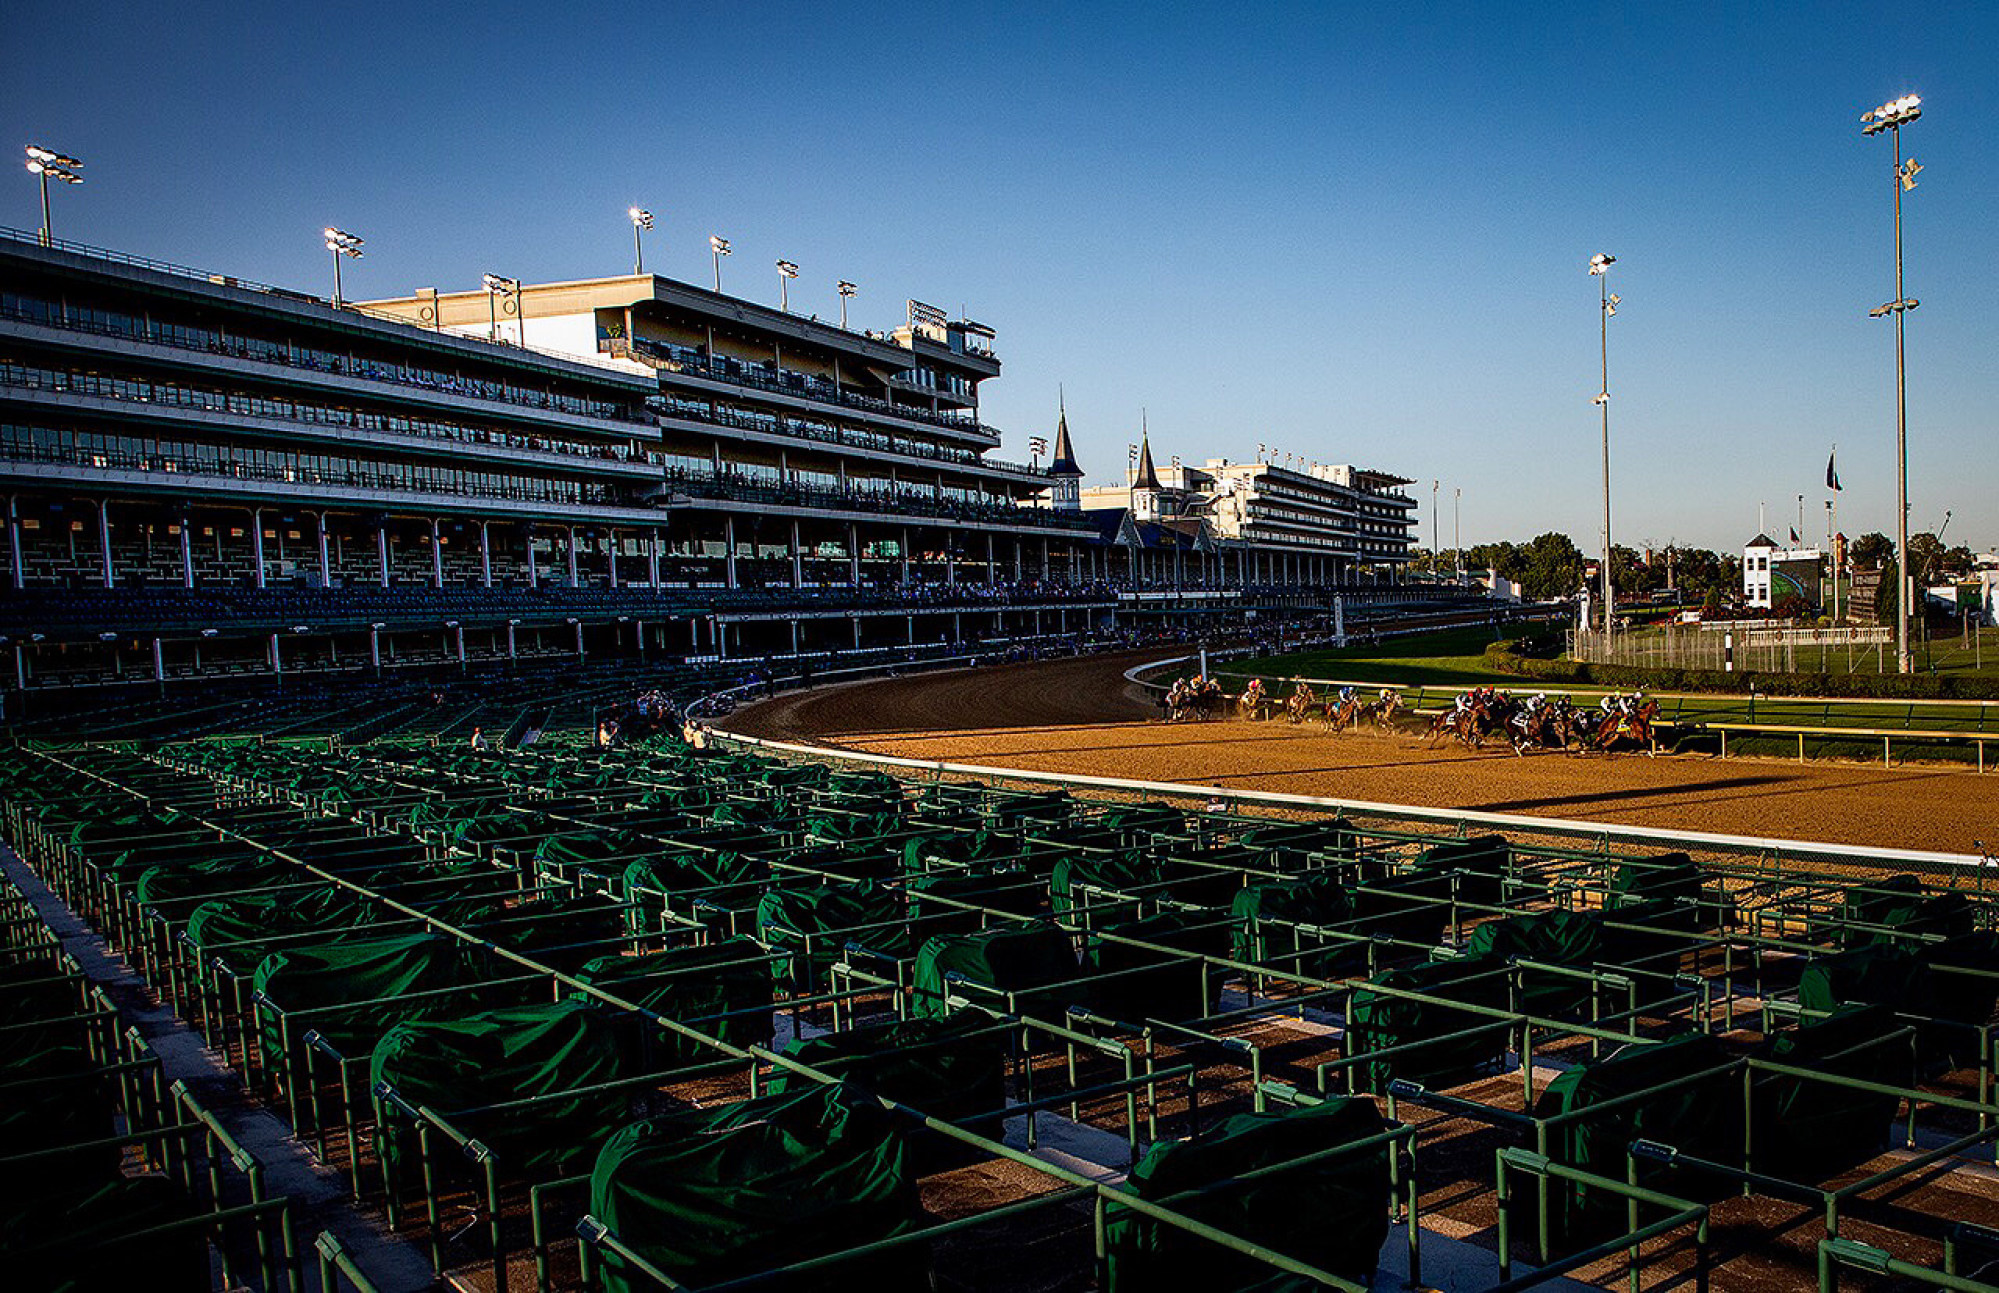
(1145,819)
(951,1069)
(1881,974)
(1484,859)
(1569,938)
(833,915)
(690,985)
(237,928)
(1333,836)
(839,827)
(693,870)
(1017,959)
(1701,1117)
(724,1193)
(1669,926)
(333,974)
(560,932)
(497,1056)
(1807,1131)
(1320,899)
(1378,1021)
(599,852)
(1011,891)
(1332,1214)
(1050,808)
(179,881)
(952,848)
(792,774)
(1157,985)
(1406,908)
(60,1237)
(1669,875)
(1122,873)
(1901,904)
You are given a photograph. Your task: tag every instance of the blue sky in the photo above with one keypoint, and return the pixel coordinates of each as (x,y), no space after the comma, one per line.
(1357,236)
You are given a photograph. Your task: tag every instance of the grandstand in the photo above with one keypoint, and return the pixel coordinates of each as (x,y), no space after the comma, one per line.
(208,477)
(652,1017)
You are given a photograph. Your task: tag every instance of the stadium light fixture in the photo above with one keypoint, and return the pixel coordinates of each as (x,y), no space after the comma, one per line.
(847,291)
(786,271)
(49,164)
(341,244)
(500,288)
(1891,117)
(720,246)
(641,220)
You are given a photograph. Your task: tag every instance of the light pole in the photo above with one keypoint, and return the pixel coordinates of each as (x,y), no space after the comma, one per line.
(499,287)
(641,219)
(341,243)
(1457,533)
(1599,265)
(1436,536)
(720,246)
(1892,116)
(847,291)
(47,163)
(786,271)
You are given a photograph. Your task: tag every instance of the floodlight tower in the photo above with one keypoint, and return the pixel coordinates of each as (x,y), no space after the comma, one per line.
(641,219)
(720,246)
(1892,116)
(48,164)
(786,271)
(1599,265)
(341,243)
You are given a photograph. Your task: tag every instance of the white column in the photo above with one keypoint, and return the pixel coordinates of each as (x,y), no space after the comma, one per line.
(569,544)
(277,656)
(510,639)
(14,540)
(797,558)
(104,542)
(256,542)
(375,647)
(854,562)
(459,634)
(652,558)
(611,567)
(382,548)
(186,554)
(436,554)
(485,554)
(729,539)
(1019,560)
(905,557)
(325,553)
(159,662)
(534,567)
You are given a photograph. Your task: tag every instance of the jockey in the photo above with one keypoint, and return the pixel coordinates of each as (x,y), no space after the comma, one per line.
(1347,694)
(1609,704)
(1464,701)
(1387,695)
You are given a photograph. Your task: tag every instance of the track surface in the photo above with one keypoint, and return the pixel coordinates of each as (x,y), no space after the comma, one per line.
(1080,716)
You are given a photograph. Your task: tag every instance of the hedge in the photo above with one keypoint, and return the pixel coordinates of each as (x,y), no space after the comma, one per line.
(1512,657)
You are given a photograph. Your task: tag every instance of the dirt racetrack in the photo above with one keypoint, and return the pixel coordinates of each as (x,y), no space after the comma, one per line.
(1080,716)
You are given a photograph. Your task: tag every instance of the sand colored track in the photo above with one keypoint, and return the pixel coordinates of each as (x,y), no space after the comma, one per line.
(1080,716)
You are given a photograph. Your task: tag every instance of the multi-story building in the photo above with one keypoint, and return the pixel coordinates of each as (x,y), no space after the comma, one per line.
(1257,523)
(203,470)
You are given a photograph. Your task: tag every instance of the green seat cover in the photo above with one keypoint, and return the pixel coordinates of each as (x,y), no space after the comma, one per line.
(1015,959)
(723,1193)
(1332,1213)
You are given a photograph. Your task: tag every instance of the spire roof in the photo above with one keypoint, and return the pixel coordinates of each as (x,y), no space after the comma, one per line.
(1147,477)
(1064,461)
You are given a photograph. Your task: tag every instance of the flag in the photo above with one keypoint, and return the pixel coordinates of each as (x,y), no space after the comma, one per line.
(1831,472)
(1794,534)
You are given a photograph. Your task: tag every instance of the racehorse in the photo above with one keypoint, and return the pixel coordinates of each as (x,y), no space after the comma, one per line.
(1252,698)
(1301,701)
(1634,729)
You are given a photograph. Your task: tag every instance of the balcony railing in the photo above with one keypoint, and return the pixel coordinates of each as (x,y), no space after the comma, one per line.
(801,385)
(742,489)
(949,454)
(283,355)
(195,399)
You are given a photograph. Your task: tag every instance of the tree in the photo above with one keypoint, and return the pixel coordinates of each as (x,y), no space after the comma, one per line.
(1552,566)
(1870,551)
(1925,556)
